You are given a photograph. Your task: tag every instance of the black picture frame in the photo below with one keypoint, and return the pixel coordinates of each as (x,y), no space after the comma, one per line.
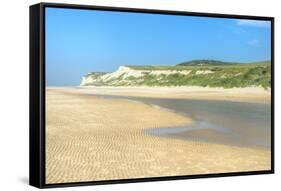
(37,94)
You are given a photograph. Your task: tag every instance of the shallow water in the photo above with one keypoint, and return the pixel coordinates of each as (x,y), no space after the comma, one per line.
(222,122)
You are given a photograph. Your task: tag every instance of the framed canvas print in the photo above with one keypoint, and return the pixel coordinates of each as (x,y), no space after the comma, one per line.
(122,95)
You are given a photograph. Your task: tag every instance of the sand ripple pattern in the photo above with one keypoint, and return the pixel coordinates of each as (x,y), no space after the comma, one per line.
(90,138)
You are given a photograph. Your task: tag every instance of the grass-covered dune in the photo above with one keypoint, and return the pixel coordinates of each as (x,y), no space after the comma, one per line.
(193,73)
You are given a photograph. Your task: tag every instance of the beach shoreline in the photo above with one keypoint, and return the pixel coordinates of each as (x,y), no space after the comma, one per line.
(92,138)
(248,94)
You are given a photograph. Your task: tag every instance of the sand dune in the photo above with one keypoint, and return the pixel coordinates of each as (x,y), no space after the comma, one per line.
(89,138)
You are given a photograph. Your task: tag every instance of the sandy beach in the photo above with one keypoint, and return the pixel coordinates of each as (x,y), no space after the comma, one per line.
(90,138)
(249,94)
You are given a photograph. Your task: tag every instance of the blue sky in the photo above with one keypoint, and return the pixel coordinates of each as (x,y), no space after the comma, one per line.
(83,41)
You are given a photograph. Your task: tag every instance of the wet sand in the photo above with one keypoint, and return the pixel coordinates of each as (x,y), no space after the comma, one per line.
(216,121)
(92,138)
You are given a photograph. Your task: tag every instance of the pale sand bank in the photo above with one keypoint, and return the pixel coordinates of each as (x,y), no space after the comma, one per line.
(90,138)
(249,94)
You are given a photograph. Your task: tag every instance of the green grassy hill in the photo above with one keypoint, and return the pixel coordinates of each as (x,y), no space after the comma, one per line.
(205,63)
(194,73)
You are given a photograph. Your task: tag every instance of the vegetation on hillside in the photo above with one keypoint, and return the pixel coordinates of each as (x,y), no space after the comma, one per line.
(211,74)
(227,77)
(205,63)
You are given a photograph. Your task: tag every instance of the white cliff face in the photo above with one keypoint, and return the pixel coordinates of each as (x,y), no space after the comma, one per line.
(86,80)
(123,73)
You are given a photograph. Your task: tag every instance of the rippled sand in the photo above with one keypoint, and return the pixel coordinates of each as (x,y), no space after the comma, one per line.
(90,138)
